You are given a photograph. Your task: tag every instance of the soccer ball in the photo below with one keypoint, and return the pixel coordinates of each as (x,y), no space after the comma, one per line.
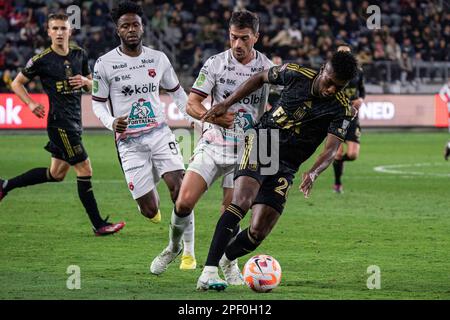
(262,273)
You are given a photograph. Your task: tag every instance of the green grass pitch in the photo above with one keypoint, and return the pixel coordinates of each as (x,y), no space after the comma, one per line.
(398,221)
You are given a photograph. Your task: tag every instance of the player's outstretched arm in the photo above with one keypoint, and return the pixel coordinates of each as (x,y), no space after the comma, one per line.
(196,110)
(253,83)
(323,161)
(18,86)
(78,81)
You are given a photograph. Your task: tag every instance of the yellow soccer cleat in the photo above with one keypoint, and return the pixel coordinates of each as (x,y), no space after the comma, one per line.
(188,262)
(156,218)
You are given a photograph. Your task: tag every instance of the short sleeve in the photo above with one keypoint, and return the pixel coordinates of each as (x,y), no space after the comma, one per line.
(169,79)
(32,68)
(340,123)
(205,81)
(281,75)
(86,70)
(100,84)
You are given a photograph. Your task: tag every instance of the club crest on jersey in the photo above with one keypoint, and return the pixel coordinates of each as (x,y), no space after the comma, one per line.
(152,73)
(141,115)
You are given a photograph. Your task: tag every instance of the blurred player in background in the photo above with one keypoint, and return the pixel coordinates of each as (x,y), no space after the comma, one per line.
(64,72)
(216,152)
(312,107)
(356,92)
(444,93)
(125,97)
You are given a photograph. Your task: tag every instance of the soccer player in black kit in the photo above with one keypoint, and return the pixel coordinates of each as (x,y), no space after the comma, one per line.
(64,72)
(312,107)
(356,92)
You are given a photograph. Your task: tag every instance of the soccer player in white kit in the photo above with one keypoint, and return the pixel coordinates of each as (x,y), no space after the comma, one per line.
(129,78)
(216,151)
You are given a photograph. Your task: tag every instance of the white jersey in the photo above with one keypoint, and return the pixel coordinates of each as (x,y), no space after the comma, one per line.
(220,76)
(131,86)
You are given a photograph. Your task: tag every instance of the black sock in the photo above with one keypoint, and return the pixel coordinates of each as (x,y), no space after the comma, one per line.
(29,178)
(87,198)
(346,158)
(338,166)
(224,231)
(243,244)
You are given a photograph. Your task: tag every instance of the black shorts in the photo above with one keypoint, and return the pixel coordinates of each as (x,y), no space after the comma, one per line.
(66,145)
(274,188)
(353,131)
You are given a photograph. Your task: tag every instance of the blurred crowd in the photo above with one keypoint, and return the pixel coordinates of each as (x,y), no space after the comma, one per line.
(302,31)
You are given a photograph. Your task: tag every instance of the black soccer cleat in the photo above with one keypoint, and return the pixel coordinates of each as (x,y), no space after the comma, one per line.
(446,154)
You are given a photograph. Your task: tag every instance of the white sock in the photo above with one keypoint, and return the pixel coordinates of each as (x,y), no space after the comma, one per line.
(210,269)
(189,237)
(176,229)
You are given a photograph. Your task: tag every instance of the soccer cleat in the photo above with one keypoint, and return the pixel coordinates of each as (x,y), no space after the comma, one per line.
(210,280)
(446,155)
(188,262)
(109,228)
(338,188)
(156,218)
(231,271)
(162,261)
(2,192)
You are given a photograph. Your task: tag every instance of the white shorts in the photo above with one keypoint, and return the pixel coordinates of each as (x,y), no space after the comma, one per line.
(146,158)
(211,162)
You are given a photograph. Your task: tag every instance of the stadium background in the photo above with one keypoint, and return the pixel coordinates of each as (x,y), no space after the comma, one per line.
(394,212)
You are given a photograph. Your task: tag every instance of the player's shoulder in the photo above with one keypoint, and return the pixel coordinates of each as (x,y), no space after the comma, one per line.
(344,102)
(75,47)
(221,58)
(41,55)
(264,60)
(299,70)
(111,56)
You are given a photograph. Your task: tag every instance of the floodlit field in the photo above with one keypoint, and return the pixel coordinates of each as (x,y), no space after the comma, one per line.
(395,214)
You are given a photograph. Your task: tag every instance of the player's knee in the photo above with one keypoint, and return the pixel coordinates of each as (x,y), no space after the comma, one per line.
(352,156)
(243,201)
(258,233)
(149,211)
(184,206)
(57,176)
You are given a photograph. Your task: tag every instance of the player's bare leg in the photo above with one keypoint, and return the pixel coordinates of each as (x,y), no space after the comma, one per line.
(149,206)
(182,221)
(245,191)
(85,192)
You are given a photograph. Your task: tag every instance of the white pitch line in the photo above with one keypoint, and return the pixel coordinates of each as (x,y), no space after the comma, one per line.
(393,169)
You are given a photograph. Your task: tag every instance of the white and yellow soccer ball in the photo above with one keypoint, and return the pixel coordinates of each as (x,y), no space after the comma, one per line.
(262,273)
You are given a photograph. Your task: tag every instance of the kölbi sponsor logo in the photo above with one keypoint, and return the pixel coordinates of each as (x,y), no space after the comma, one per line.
(9,114)
(252,99)
(146,88)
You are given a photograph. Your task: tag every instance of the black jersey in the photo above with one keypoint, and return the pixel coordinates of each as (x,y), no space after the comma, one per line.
(54,71)
(355,88)
(304,120)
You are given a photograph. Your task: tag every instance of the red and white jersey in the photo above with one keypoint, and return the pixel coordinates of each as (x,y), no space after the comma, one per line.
(220,76)
(131,87)
(444,93)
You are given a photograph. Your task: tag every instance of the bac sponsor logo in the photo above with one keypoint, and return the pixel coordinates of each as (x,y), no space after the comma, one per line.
(377,111)
(146,88)
(119,66)
(122,77)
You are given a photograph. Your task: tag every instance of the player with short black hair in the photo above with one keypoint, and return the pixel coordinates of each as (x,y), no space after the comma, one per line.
(312,107)
(64,72)
(126,99)
(356,92)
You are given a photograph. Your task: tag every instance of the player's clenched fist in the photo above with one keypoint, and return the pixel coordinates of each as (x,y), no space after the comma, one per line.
(120,124)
